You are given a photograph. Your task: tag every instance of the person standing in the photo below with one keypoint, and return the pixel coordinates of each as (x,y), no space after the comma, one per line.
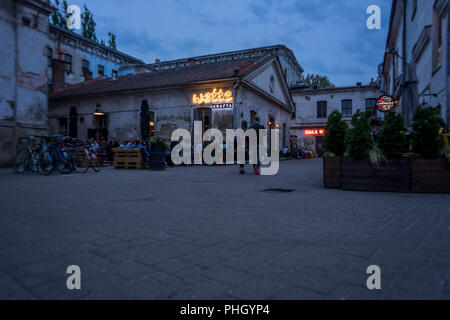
(257,127)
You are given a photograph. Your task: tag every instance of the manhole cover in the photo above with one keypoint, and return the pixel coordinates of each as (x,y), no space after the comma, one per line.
(278,190)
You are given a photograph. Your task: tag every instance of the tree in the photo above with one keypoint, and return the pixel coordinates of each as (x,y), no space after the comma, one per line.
(112,41)
(88,24)
(59,16)
(334,141)
(391,138)
(316,80)
(426,136)
(358,139)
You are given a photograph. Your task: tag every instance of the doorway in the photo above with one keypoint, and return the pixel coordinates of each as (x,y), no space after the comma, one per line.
(204,115)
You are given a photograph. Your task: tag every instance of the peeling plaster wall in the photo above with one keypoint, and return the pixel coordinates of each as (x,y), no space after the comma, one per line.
(247,101)
(23,75)
(173,110)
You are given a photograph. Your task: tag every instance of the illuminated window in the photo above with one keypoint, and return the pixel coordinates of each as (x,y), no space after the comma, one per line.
(347,108)
(322,111)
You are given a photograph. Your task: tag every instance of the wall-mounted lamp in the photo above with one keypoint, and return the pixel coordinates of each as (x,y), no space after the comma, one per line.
(98,110)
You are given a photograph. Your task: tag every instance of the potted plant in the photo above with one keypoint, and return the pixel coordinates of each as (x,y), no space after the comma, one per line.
(392,142)
(430,171)
(366,166)
(158,154)
(334,147)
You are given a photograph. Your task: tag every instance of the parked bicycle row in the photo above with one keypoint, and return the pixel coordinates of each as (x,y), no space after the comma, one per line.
(46,154)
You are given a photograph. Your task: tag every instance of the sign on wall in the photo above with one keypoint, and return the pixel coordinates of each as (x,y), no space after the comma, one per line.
(386,103)
(213,97)
(220,106)
(315,132)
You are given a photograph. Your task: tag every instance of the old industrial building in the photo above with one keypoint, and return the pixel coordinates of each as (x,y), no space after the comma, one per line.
(415,66)
(73,58)
(315,105)
(224,94)
(23,72)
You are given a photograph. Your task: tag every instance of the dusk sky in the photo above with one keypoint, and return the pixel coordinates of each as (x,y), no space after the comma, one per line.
(327,37)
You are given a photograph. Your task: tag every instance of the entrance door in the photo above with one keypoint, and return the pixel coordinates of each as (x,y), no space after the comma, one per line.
(204,115)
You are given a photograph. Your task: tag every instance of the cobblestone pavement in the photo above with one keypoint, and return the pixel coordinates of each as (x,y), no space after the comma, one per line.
(209,233)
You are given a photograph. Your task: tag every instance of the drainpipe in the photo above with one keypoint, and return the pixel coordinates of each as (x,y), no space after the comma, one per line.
(405,2)
(448,70)
(16,72)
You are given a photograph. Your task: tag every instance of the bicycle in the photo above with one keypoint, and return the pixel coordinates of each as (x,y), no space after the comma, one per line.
(54,156)
(27,160)
(86,156)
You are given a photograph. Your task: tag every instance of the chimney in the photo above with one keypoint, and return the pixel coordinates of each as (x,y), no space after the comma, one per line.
(58,75)
(192,62)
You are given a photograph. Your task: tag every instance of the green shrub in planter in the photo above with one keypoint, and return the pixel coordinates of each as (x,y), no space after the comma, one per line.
(358,139)
(334,140)
(391,138)
(426,136)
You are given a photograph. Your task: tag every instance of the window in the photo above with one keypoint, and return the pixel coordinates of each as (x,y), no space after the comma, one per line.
(101,71)
(152,124)
(115,74)
(62,129)
(49,57)
(67,58)
(85,67)
(371,105)
(437,37)
(252,117)
(414,9)
(322,109)
(347,108)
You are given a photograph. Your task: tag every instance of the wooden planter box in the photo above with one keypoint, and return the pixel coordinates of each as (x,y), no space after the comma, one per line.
(430,175)
(332,172)
(359,175)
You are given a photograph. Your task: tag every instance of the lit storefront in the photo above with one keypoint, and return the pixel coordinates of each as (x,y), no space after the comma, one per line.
(225,95)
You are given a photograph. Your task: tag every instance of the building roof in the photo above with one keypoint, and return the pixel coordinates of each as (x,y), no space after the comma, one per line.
(223,56)
(303,90)
(224,70)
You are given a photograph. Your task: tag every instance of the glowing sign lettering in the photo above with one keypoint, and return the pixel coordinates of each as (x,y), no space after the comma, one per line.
(215,96)
(315,132)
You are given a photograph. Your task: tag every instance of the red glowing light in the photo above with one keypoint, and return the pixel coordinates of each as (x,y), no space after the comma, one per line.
(315,132)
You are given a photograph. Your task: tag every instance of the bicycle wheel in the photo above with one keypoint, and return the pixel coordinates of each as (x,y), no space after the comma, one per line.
(64,163)
(22,163)
(45,163)
(80,161)
(95,163)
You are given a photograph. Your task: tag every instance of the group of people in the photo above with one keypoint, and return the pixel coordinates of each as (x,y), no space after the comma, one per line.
(297,152)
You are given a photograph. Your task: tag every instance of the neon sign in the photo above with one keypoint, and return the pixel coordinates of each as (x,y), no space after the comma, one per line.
(315,132)
(215,96)
(386,103)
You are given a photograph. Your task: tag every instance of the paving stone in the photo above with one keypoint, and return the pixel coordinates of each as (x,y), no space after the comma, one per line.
(175,234)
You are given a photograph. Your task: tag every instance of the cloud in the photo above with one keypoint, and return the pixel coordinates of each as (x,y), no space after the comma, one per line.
(327,37)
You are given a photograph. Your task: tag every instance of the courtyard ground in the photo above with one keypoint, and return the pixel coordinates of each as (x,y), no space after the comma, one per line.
(209,233)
